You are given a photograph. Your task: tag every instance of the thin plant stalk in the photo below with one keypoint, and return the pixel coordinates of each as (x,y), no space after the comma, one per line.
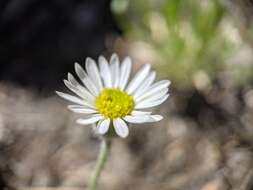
(102,158)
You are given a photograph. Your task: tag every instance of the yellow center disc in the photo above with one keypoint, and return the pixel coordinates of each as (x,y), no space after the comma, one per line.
(114,103)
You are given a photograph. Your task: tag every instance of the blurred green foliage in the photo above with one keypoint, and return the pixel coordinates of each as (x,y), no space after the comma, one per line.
(187,36)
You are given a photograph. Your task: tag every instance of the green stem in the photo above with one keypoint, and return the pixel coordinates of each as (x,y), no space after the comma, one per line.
(101,160)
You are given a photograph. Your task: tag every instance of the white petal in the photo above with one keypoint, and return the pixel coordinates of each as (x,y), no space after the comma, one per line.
(86,80)
(82,89)
(105,71)
(82,109)
(73,88)
(93,119)
(145,85)
(135,112)
(79,107)
(120,127)
(156,118)
(152,97)
(88,99)
(77,91)
(149,104)
(138,79)
(143,118)
(93,73)
(76,106)
(125,71)
(103,126)
(114,67)
(72,80)
(155,88)
(136,118)
(73,99)
(87,94)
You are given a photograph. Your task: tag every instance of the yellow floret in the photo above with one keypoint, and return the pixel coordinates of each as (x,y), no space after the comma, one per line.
(114,103)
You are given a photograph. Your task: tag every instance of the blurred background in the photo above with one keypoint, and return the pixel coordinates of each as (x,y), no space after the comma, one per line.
(205,141)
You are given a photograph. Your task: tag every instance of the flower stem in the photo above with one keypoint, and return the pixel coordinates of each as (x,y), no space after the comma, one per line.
(101,160)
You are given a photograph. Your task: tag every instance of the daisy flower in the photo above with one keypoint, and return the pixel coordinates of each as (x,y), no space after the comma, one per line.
(108,99)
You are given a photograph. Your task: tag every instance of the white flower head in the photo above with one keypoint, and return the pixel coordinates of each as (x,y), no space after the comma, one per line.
(108,99)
